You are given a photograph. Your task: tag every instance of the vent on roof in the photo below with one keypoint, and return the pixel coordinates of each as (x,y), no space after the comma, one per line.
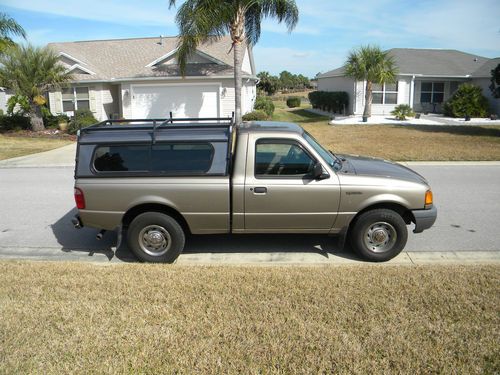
(161,40)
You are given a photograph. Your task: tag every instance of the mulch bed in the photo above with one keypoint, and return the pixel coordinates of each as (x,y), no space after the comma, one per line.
(47,133)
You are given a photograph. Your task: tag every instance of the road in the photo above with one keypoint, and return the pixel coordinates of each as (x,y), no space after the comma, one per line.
(36,206)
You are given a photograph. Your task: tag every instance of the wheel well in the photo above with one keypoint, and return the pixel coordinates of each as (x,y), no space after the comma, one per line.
(401,210)
(132,213)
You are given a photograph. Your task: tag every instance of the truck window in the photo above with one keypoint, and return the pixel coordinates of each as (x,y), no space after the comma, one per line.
(160,159)
(281,158)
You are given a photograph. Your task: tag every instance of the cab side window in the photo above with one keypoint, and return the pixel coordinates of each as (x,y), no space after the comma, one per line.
(275,158)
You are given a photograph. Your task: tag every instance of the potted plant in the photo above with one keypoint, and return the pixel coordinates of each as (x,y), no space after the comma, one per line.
(62,122)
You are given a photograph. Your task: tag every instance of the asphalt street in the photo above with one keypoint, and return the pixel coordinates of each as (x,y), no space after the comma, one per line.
(36,206)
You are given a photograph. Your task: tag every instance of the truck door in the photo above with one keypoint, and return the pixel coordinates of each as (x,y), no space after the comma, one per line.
(280,193)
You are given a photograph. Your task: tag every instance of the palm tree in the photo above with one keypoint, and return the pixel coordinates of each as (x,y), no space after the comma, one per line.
(201,20)
(8,26)
(30,71)
(370,64)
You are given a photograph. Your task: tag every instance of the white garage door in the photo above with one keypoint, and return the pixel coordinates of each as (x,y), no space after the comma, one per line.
(183,101)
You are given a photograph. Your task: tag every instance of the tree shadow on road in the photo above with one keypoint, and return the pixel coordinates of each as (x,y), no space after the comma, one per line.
(84,241)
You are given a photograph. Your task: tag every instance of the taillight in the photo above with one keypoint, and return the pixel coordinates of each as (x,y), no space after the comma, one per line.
(79,199)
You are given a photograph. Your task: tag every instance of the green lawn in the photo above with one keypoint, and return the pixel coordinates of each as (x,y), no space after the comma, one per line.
(399,142)
(59,318)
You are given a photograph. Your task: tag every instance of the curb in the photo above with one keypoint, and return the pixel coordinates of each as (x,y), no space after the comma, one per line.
(406,258)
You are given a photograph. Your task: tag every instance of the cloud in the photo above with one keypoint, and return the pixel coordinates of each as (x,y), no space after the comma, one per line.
(307,62)
(109,11)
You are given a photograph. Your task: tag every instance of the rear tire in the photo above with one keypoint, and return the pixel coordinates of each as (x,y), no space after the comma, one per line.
(379,235)
(155,237)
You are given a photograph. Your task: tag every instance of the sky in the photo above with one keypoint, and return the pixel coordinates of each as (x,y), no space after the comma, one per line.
(326,32)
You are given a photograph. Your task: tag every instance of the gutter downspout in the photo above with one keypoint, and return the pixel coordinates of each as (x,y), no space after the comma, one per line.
(412,91)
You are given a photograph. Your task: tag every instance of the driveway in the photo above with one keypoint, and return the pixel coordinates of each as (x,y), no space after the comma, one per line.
(36,206)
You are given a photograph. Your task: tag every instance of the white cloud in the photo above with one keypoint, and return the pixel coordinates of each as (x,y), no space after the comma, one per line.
(110,11)
(307,62)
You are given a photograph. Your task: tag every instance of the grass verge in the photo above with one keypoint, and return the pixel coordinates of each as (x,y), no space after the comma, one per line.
(11,147)
(400,142)
(69,317)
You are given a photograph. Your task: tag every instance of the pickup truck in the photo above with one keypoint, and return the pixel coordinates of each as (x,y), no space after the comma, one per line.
(163,179)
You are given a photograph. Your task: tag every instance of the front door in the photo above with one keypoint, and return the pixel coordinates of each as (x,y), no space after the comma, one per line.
(280,193)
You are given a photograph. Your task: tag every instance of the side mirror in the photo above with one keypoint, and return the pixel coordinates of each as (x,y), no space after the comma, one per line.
(318,172)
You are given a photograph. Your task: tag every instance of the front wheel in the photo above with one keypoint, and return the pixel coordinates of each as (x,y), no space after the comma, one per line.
(379,235)
(155,237)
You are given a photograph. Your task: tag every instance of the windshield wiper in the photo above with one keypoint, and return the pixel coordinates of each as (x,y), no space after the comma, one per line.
(337,159)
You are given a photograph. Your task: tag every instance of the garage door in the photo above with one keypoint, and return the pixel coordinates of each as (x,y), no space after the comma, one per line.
(183,101)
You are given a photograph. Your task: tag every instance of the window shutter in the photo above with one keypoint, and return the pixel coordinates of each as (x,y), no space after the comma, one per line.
(92,100)
(58,102)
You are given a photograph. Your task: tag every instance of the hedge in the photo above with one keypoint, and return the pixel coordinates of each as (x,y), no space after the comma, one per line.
(293,102)
(335,101)
(264,104)
(257,115)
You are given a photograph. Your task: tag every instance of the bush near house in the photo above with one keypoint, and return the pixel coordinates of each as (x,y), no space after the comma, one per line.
(293,102)
(468,100)
(82,119)
(402,111)
(14,122)
(265,104)
(335,101)
(257,115)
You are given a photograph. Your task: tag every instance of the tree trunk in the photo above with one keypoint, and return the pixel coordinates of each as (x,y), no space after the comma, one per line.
(238,62)
(368,100)
(36,119)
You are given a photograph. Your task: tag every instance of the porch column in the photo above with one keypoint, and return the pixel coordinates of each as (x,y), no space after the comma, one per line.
(412,91)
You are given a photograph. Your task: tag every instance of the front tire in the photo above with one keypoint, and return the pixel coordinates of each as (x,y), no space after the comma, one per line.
(379,235)
(155,237)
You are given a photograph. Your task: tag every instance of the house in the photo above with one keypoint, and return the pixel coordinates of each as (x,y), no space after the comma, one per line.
(140,78)
(427,79)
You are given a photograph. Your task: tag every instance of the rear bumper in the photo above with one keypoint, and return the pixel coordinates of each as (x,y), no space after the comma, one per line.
(424,219)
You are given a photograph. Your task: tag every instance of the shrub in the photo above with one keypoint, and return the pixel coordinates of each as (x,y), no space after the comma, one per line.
(264,104)
(14,122)
(402,111)
(293,102)
(51,121)
(335,101)
(467,100)
(257,115)
(82,119)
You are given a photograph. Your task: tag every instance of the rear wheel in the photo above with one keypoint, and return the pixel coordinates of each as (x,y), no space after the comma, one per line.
(379,235)
(155,237)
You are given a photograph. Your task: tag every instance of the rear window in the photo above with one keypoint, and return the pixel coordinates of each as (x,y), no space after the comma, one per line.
(158,159)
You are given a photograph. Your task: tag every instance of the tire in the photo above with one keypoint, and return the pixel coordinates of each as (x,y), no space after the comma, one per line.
(155,237)
(379,235)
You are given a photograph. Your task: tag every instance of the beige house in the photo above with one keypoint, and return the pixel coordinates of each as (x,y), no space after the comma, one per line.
(140,78)
(427,78)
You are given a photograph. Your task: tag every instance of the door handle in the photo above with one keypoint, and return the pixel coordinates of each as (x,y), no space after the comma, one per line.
(260,190)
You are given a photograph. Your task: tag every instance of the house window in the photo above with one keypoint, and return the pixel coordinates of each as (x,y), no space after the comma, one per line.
(432,92)
(74,98)
(385,94)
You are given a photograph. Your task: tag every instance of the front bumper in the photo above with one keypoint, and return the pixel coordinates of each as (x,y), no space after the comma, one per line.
(424,219)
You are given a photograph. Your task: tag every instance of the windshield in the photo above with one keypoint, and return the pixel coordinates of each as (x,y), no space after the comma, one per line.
(329,157)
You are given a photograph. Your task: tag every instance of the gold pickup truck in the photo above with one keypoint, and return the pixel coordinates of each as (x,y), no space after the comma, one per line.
(161,180)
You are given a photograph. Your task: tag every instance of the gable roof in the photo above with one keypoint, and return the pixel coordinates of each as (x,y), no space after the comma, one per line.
(484,71)
(429,62)
(121,59)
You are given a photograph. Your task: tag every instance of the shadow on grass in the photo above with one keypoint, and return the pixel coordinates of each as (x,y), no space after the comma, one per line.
(470,130)
(300,116)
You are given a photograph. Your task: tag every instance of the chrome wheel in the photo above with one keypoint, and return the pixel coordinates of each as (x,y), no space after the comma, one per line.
(154,240)
(380,237)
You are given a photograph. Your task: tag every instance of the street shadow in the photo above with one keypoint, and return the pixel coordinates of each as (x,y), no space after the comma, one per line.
(84,241)
(469,130)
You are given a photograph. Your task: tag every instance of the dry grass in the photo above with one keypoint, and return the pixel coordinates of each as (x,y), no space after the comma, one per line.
(401,142)
(11,147)
(83,318)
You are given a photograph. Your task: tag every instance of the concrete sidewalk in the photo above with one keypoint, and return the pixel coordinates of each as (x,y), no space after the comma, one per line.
(59,157)
(406,258)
